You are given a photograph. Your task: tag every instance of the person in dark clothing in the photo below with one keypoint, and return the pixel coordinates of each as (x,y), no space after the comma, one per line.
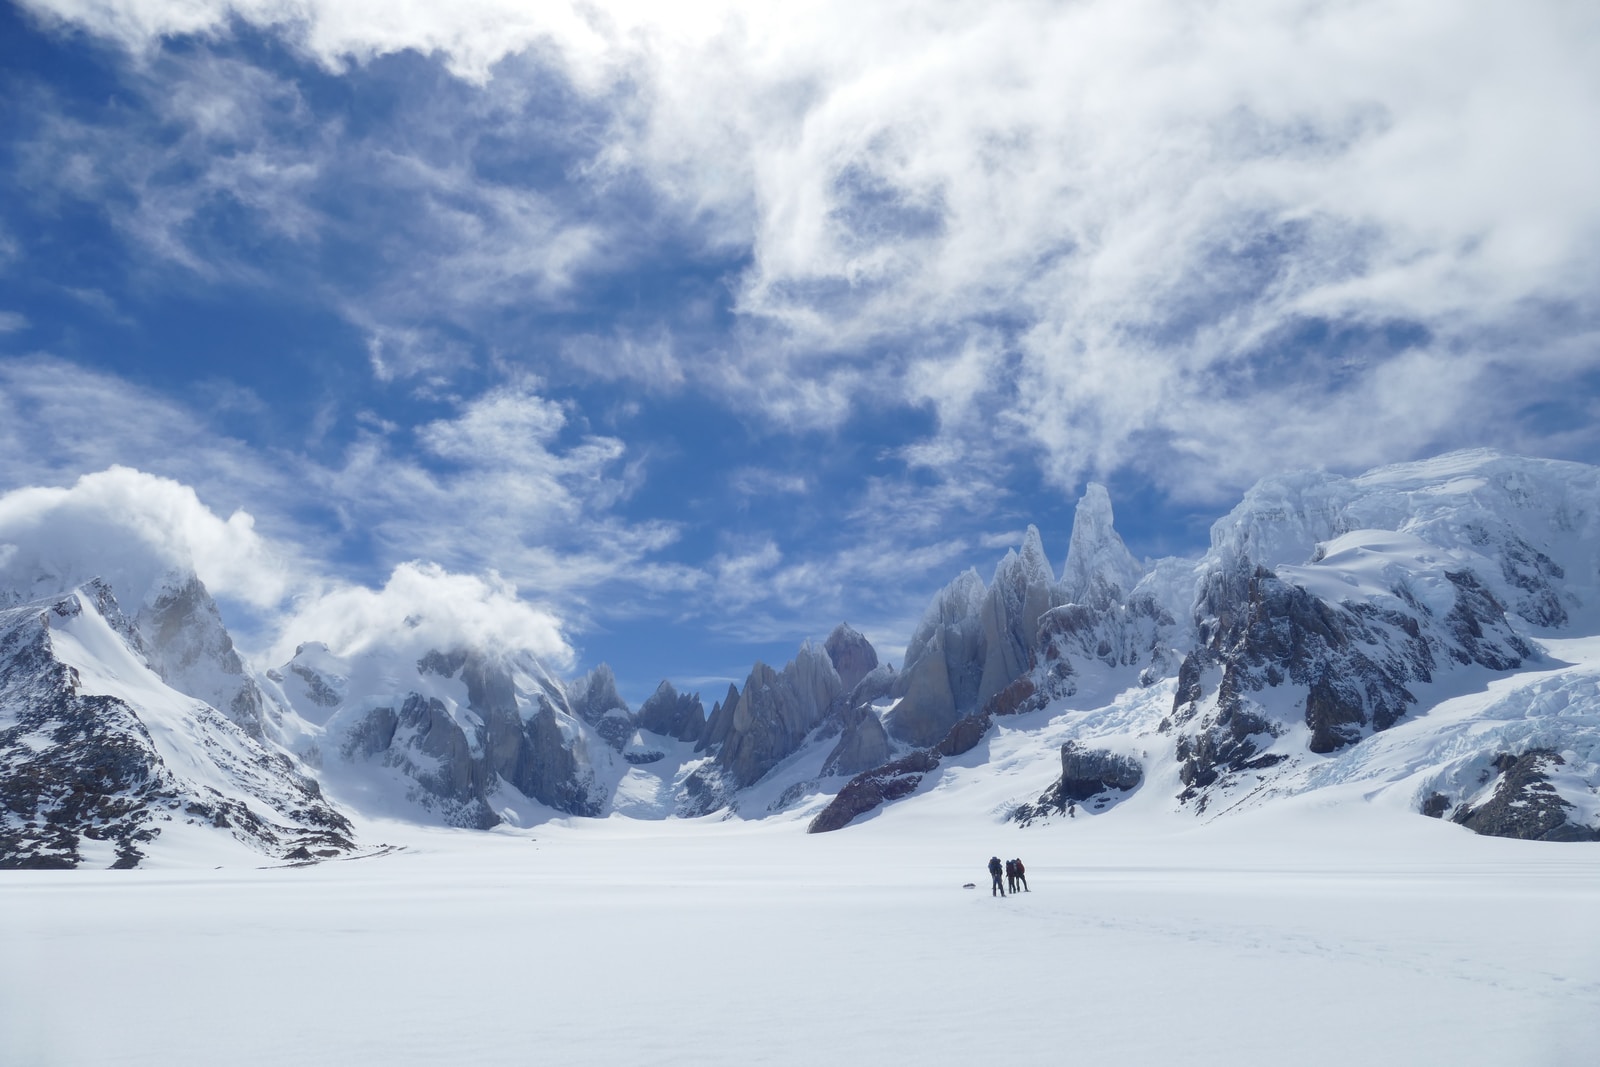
(1011,875)
(1022,876)
(994,872)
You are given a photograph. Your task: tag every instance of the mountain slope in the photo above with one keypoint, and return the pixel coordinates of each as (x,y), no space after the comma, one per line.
(99,758)
(1328,614)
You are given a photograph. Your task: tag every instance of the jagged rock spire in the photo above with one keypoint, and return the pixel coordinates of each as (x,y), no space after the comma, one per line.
(1100,570)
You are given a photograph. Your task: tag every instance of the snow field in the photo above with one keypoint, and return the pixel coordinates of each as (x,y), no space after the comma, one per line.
(1307,934)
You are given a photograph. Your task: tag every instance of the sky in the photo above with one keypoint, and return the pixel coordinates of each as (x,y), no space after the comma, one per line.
(673,335)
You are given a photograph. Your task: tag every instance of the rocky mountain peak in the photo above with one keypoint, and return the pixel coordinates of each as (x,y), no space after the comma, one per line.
(852,654)
(1099,570)
(673,714)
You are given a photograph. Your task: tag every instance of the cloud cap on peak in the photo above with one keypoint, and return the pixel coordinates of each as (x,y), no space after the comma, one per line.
(138,532)
(423,607)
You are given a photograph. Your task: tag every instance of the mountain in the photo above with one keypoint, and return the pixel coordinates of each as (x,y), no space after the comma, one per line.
(100,758)
(462,736)
(1426,636)
(1328,614)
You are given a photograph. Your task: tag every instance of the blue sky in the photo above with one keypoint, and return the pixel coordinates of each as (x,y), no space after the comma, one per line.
(708,328)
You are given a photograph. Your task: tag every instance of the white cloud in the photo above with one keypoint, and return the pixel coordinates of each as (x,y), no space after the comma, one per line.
(423,607)
(1143,190)
(651,361)
(60,421)
(766,481)
(1091,233)
(504,485)
(134,530)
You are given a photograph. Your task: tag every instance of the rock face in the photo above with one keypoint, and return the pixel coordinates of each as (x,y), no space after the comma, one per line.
(871,790)
(751,732)
(863,744)
(1086,772)
(852,655)
(1353,663)
(719,722)
(976,640)
(1326,611)
(594,699)
(943,665)
(190,649)
(458,727)
(1023,589)
(83,775)
(1525,804)
(776,711)
(671,714)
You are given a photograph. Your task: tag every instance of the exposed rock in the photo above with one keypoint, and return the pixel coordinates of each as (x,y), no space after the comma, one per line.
(720,721)
(705,790)
(1355,662)
(76,767)
(1023,589)
(965,734)
(944,665)
(1116,634)
(878,684)
(871,789)
(928,704)
(671,714)
(444,664)
(321,693)
(775,713)
(1525,805)
(852,655)
(547,769)
(188,646)
(371,734)
(594,699)
(457,758)
(862,745)
(1085,772)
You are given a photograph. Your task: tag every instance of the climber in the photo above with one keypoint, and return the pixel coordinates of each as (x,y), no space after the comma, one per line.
(994,872)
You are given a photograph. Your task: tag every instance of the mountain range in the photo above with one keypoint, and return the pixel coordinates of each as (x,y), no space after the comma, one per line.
(1425,635)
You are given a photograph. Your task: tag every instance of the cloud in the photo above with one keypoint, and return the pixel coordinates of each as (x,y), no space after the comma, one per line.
(135,530)
(1193,243)
(765,481)
(505,480)
(505,484)
(1133,203)
(423,607)
(60,421)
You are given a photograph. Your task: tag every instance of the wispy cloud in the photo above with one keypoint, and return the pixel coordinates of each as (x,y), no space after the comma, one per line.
(1130,206)
(496,488)
(1193,243)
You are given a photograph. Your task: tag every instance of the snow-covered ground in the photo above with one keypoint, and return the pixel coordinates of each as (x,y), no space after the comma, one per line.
(1306,933)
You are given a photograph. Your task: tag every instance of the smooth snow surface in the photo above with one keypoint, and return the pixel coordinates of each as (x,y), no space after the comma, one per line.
(1303,934)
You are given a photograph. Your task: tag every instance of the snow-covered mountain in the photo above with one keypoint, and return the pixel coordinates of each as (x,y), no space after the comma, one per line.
(100,757)
(1420,611)
(1426,634)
